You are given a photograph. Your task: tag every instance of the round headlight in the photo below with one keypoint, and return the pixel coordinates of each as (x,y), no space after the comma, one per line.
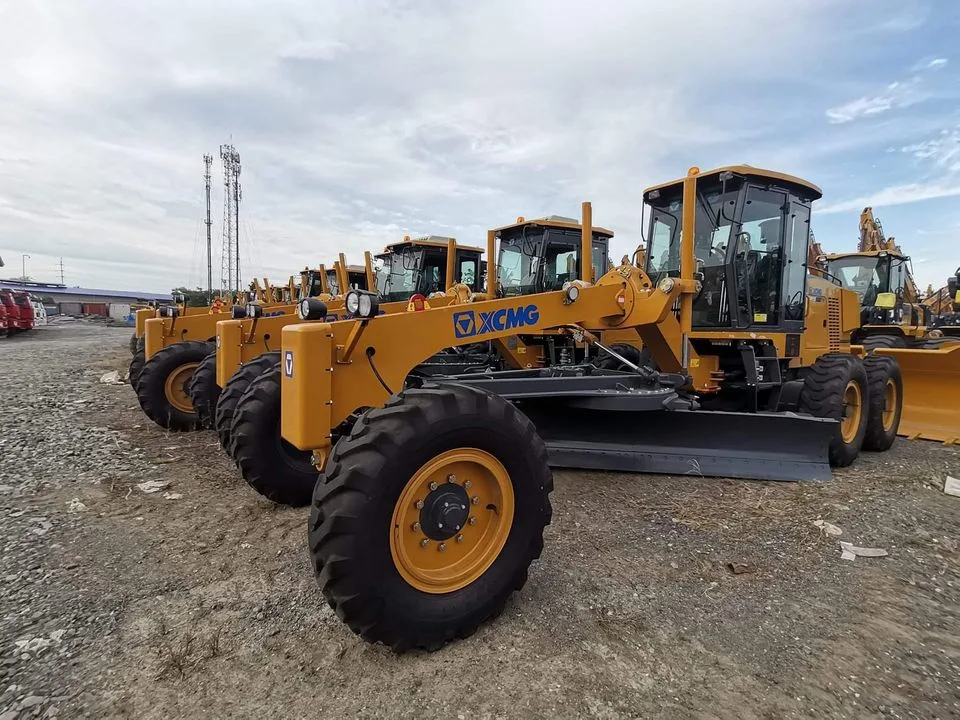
(666,284)
(352,302)
(312,309)
(572,292)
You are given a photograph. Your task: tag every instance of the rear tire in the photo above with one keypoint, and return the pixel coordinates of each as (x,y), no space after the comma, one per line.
(609,362)
(161,386)
(234,389)
(835,387)
(272,466)
(133,344)
(204,391)
(365,550)
(885,404)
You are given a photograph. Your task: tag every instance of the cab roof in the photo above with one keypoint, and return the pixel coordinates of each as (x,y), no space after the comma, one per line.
(750,171)
(554,221)
(427,241)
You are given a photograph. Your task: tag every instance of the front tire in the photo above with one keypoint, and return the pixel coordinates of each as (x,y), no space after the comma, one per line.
(136,367)
(234,389)
(835,387)
(204,391)
(272,466)
(161,387)
(384,559)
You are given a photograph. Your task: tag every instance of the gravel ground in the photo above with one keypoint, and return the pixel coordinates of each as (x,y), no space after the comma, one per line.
(687,598)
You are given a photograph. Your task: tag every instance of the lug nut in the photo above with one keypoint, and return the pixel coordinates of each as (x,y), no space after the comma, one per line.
(475,500)
(433,486)
(472,520)
(459,538)
(424,542)
(442,547)
(451,478)
(419,504)
(415,527)
(467,484)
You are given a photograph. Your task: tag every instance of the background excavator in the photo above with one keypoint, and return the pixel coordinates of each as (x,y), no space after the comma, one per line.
(893,313)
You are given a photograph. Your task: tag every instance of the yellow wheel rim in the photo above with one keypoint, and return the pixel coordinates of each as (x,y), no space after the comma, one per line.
(461,552)
(175,388)
(852,408)
(890,401)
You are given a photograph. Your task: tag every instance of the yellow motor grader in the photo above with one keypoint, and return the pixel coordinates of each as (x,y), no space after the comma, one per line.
(175,345)
(435,493)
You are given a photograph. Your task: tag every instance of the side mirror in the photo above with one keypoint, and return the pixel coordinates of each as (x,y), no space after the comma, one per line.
(886,301)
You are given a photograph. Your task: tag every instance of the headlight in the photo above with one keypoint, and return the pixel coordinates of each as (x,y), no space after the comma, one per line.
(352,302)
(572,292)
(311,309)
(254,310)
(238,312)
(361,303)
(666,284)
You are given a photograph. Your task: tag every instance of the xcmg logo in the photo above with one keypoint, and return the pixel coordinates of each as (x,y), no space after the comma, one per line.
(468,323)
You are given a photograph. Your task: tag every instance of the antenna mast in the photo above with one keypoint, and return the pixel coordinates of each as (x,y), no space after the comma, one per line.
(230,252)
(207,177)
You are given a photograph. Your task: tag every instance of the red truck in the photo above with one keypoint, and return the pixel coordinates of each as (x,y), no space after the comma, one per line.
(3,319)
(19,311)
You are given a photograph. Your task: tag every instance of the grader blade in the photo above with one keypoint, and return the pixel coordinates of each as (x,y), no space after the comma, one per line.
(754,446)
(931,392)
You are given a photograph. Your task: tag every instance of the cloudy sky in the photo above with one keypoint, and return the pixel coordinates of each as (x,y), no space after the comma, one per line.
(358,122)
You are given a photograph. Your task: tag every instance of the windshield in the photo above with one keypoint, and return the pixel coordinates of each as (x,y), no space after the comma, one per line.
(397,274)
(716,204)
(866,276)
(333,286)
(519,261)
(314,285)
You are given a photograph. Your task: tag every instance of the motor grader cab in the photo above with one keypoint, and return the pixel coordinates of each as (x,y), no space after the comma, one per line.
(541,255)
(418,536)
(888,317)
(424,266)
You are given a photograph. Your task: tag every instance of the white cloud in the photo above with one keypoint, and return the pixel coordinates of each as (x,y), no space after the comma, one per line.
(943,151)
(898,94)
(895,195)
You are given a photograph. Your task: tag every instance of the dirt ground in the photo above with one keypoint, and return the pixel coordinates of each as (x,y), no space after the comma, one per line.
(198,600)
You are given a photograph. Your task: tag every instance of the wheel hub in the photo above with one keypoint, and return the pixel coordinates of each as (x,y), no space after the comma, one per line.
(444,512)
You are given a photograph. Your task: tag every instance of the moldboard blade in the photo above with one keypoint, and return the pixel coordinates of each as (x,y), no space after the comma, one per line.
(755,446)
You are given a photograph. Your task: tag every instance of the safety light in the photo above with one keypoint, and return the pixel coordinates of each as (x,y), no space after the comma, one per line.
(361,303)
(311,309)
(238,312)
(571,291)
(665,285)
(254,310)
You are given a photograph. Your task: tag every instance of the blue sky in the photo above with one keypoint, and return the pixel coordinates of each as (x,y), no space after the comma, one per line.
(361,122)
